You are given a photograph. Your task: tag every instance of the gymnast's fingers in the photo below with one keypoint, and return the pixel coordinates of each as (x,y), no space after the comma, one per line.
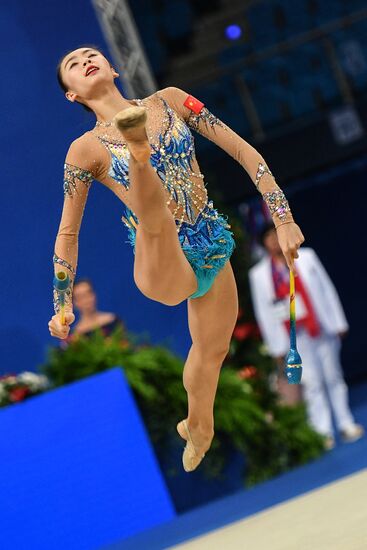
(57,329)
(289,256)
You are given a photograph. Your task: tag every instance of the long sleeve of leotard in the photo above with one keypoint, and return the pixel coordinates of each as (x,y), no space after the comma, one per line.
(200,119)
(77,181)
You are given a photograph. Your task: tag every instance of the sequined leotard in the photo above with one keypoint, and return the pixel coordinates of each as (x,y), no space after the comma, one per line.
(204,234)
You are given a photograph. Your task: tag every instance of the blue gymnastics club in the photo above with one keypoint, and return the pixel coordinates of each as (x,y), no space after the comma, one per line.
(293,369)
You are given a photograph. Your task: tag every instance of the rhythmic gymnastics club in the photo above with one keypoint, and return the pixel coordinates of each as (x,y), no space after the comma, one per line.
(61,285)
(294,362)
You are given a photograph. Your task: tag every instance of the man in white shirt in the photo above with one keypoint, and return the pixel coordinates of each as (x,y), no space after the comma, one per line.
(321,324)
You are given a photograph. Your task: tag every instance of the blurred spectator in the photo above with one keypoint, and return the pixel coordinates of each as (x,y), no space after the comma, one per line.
(90,319)
(321,324)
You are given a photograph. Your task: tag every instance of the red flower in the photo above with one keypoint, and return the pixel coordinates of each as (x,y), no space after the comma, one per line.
(243,331)
(247,372)
(18,393)
(246,330)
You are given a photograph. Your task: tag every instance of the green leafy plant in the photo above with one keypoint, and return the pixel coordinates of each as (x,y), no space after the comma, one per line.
(273,439)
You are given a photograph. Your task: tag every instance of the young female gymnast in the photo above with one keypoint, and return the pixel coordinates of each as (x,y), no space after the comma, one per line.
(143,151)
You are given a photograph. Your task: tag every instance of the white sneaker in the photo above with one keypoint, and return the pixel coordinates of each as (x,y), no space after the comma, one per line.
(352,433)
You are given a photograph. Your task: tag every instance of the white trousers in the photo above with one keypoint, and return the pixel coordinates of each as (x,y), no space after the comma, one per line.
(323,386)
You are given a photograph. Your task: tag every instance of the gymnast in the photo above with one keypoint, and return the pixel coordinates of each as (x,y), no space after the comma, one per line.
(143,151)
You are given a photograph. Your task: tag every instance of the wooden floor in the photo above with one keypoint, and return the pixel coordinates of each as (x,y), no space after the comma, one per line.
(331,518)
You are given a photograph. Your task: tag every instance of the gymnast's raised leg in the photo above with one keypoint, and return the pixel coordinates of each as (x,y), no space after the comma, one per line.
(161,270)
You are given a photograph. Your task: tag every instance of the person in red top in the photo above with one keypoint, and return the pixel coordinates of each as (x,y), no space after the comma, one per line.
(321,324)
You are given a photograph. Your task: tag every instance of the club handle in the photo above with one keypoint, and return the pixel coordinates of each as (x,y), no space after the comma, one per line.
(292,311)
(61,284)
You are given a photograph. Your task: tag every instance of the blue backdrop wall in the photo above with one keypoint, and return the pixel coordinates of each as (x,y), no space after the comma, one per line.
(37,127)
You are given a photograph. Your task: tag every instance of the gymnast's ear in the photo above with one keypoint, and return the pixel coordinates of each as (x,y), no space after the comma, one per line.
(71,96)
(114,73)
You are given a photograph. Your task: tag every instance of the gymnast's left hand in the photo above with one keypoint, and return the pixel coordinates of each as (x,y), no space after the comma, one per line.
(290,238)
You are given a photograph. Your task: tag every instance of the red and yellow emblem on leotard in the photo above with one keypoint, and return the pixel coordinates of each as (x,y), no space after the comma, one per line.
(193,104)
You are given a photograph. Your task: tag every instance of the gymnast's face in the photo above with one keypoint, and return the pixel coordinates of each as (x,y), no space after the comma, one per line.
(86,72)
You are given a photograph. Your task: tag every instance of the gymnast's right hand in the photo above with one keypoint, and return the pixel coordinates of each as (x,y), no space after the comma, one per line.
(57,329)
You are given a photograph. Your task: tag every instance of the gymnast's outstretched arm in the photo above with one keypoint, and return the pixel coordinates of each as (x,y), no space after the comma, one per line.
(200,119)
(78,177)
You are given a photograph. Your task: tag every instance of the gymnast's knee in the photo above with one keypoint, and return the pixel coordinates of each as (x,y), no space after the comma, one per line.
(212,353)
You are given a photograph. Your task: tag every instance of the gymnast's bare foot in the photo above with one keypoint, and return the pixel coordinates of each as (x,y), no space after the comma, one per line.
(131,123)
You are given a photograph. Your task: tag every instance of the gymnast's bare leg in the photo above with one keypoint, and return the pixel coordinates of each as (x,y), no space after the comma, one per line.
(161,270)
(212,319)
